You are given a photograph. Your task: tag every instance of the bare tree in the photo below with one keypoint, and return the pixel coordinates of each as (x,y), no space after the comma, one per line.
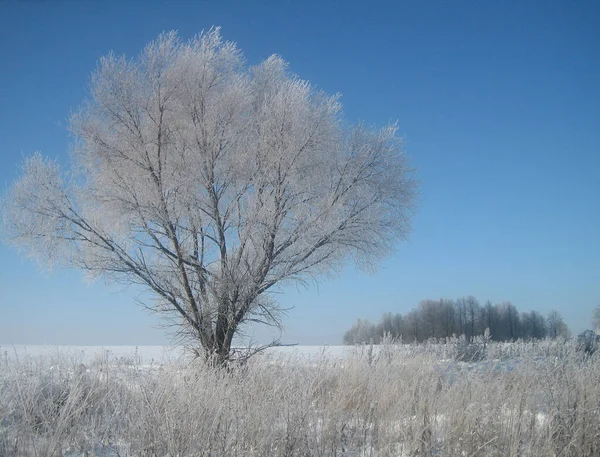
(210,182)
(472,317)
(534,325)
(512,319)
(448,315)
(430,312)
(413,327)
(461,315)
(596,318)
(361,332)
(390,325)
(555,325)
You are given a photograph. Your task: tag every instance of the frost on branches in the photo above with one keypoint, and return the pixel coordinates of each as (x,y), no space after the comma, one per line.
(209,182)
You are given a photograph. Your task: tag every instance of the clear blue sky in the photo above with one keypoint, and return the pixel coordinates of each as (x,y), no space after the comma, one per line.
(499,103)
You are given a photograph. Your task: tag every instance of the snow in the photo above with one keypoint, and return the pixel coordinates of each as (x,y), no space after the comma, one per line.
(87,354)
(146,354)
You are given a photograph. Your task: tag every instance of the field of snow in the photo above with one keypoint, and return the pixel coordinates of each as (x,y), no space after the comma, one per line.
(520,400)
(160,354)
(87,354)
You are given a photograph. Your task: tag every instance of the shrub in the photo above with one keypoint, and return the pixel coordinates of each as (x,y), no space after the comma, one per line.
(588,342)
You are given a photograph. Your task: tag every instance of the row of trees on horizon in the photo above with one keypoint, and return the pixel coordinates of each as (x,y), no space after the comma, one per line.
(445,318)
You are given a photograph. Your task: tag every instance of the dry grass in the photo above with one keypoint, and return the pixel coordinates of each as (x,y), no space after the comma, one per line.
(394,402)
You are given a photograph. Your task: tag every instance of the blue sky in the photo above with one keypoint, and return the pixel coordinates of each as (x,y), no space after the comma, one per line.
(499,103)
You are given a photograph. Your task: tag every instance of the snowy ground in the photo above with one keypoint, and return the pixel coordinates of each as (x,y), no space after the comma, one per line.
(380,400)
(157,354)
(87,354)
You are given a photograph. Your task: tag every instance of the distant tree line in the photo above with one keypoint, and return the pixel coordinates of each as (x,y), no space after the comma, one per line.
(446,318)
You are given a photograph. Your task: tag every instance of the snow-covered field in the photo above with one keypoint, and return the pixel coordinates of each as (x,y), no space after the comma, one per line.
(160,354)
(520,400)
(152,352)
(87,354)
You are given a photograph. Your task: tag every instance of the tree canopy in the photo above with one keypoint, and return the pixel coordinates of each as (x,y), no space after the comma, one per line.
(209,182)
(445,318)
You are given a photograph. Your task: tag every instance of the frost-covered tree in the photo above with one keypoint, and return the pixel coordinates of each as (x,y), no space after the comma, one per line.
(555,325)
(533,325)
(211,182)
(596,318)
(473,315)
(362,332)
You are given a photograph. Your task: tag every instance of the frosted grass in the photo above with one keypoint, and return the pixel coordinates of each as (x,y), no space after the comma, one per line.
(392,400)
